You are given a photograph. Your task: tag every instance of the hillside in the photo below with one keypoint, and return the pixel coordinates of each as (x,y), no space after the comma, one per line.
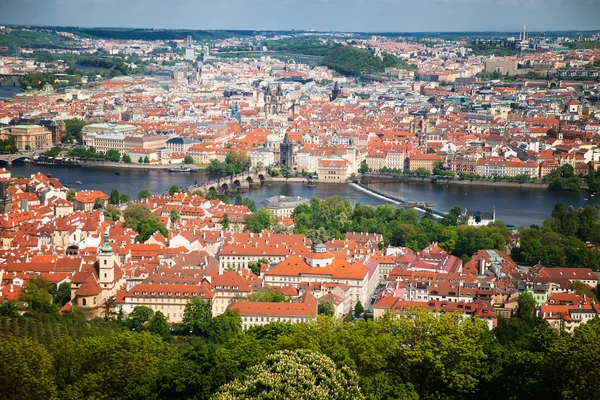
(354,61)
(35,39)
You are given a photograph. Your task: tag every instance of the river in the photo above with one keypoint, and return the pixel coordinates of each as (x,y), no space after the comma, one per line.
(7,90)
(516,206)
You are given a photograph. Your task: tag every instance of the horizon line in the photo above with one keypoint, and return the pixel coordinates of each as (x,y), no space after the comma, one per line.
(292,29)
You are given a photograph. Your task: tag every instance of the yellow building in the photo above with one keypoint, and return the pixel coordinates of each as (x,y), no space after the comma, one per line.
(426,161)
(31,137)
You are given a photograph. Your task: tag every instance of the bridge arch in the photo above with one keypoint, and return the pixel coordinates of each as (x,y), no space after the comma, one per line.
(249,179)
(225,187)
(237,183)
(261,177)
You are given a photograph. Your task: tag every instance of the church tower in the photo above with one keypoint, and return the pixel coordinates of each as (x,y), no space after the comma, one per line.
(106,264)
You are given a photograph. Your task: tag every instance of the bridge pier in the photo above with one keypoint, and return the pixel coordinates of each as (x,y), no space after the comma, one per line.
(244,187)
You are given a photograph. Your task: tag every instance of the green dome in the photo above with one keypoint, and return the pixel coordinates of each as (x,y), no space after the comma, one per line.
(271,138)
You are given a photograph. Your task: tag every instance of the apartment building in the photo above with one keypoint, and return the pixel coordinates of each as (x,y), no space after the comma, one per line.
(256,313)
(170,299)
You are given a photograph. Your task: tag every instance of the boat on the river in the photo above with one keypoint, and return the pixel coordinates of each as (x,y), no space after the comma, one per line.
(62,161)
(117,173)
(79,182)
(180,169)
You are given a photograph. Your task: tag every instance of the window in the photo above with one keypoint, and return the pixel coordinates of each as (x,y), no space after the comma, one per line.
(83,302)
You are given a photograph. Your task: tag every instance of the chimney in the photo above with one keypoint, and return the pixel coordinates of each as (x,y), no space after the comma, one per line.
(481,263)
(24,204)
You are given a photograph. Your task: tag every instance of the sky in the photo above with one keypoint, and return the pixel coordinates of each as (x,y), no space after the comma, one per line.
(337,15)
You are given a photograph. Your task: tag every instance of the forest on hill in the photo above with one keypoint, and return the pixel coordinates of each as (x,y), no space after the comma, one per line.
(421,355)
(353,61)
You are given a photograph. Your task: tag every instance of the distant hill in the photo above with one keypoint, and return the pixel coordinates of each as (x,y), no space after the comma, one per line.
(153,34)
(354,61)
(35,39)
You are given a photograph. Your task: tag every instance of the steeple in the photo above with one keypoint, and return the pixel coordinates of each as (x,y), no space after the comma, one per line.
(106,247)
(106,263)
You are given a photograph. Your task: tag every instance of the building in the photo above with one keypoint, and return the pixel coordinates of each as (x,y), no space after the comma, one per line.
(139,153)
(478,218)
(502,65)
(85,200)
(91,289)
(261,157)
(283,205)
(333,170)
(170,299)
(257,313)
(5,199)
(376,160)
(181,144)
(123,143)
(31,137)
(286,152)
(321,266)
(423,161)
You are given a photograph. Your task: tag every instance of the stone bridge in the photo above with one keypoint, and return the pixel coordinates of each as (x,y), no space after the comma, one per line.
(9,158)
(234,183)
(10,79)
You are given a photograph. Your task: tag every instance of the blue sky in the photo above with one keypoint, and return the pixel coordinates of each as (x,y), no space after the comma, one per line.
(340,15)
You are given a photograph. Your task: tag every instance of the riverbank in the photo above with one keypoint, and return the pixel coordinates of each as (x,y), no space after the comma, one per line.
(380,178)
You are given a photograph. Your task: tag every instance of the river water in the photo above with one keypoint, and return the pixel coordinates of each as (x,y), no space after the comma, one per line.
(7,90)
(516,206)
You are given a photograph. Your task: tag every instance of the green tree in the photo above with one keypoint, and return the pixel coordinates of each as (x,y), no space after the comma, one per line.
(63,294)
(188,159)
(134,214)
(99,203)
(126,159)
(255,266)
(574,360)
(160,326)
(238,200)
(115,197)
(294,374)
(326,307)
(113,155)
(26,371)
(143,194)
(526,306)
(36,297)
(174,215)
(173,189)
(10,308)
(71,194)
(112,213)
(138,319)
(148,228)
(125,198)
(225,222)
(146,160)
(259,221)
(197,316)
(250,203)
(358,309)
(268,295)
(74,127)
(141,160)
(286,171)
